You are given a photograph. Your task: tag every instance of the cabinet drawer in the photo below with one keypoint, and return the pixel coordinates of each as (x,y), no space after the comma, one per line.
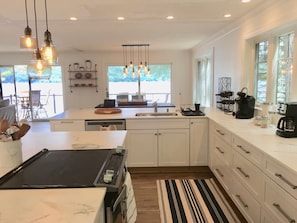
(250,175)
(222,172)
(282,176)
(281,205)
(248,151)
(245,202)
(223,150)
(223,133)
(157,124)
(67,125)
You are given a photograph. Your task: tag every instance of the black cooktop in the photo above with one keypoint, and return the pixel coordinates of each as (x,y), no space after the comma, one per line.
(66,168)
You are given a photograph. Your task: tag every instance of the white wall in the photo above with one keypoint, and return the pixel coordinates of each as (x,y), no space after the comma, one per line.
(231,46)
(88,97)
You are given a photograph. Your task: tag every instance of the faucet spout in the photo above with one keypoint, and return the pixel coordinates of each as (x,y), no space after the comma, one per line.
(155,104)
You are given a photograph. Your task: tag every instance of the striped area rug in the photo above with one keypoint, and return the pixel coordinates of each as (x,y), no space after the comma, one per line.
(189,200)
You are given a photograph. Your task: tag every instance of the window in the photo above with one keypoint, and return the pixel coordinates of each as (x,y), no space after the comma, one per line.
(274,68)
(156,86)
(261,70)
(285,48)
(203,90)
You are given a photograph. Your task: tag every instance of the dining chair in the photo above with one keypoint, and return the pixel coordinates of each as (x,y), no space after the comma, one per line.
(43,104)
(32,102)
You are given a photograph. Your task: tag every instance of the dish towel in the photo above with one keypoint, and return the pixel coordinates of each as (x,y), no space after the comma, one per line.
(131,210)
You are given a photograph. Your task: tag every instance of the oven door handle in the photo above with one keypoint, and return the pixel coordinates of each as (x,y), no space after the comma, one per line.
(120,198)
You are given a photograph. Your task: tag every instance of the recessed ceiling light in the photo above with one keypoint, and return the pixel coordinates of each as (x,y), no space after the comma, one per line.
(121,18)
(245,1)
(170,17)
(228,15)
(73,18)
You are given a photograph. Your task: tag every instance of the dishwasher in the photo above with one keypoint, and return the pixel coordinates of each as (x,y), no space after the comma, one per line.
(105,125)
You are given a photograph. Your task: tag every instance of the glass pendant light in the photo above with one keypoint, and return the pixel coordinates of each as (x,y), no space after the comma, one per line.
(37,60)
(49,52)
(27,41)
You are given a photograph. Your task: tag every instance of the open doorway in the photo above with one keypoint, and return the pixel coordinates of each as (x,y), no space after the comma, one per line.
(21,90)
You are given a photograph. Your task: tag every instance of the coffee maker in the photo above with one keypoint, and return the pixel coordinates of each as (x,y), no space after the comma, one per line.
(244,105)
(287,125)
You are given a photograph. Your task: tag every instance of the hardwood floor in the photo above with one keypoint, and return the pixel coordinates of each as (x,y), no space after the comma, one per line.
(145,188)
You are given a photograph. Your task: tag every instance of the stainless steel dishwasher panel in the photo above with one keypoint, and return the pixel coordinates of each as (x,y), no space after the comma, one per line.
(105,125)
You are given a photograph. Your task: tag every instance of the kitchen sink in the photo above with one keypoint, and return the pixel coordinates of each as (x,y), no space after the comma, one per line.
(156,114)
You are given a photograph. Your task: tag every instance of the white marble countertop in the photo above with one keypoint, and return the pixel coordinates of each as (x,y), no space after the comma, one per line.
(75,205)
(127,113)
(282,150)
(33,142)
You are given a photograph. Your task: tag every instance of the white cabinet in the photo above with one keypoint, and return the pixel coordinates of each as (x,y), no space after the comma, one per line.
(280,204)
(198,142)
(283,176)
(221,156)
(67,125)
(263,189)
(173,147)
(222,163)
(157,142)
(246,203)
(142,148)
(250,176)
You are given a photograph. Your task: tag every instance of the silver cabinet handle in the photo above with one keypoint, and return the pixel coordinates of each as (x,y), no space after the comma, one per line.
(219,149)
(219,172)
(286,181)
(242,172)
(278,207)
(243,149)
(221,133)
(241,201)
(65,122)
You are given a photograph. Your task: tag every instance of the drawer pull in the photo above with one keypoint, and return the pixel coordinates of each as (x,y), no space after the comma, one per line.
(241,201)
(243,149)
(219,172)
(221,133)
(221,151)
(278,207)
(242,172)
(286,181)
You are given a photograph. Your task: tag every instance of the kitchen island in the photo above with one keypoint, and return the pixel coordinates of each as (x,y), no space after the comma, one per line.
(63,205)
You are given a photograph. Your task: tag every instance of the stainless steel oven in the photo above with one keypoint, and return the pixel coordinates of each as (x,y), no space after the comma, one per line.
(105,125)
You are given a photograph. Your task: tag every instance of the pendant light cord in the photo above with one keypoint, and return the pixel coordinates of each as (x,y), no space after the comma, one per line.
(37,45)
(26,7)
(45,6)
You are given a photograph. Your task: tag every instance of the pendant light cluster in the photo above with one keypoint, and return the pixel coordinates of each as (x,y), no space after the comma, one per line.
(46,54)
(138,57)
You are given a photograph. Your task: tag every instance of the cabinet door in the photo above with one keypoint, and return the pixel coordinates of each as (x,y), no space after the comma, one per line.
(142,148)
(173,147)
(67,125)
(198,142)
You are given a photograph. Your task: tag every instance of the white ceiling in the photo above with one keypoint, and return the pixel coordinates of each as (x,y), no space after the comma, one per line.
(98,29)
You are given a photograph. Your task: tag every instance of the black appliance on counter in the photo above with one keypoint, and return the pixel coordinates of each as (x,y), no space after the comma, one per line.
(74,169)
(287,125)
(190,112)
(108,103)
(244,105)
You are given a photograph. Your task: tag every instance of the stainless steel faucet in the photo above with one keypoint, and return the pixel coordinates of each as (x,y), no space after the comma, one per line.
(155,104)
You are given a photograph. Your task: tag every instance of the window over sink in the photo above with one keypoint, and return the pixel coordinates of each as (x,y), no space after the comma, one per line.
(156,86)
